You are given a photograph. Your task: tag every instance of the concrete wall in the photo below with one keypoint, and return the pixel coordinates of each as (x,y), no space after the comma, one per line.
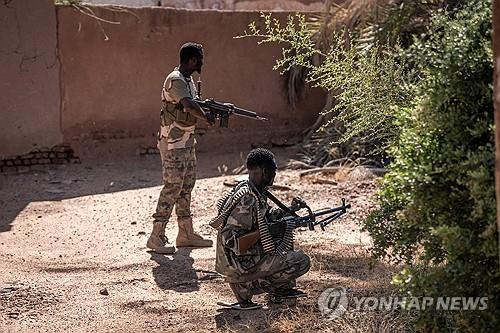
(29,79)
(111,85)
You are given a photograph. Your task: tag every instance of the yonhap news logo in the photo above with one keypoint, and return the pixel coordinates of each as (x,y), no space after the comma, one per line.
(334,302)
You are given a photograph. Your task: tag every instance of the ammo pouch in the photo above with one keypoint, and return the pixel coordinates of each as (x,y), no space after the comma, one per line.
(171,112)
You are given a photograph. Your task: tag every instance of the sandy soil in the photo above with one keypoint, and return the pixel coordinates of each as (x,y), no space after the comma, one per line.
(68,233)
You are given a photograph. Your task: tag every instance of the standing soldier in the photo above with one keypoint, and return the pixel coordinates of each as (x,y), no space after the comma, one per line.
(176,142)
(268,266)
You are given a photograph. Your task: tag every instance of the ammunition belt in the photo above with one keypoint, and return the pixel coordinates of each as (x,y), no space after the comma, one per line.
(227,203)
(266,239)
(287,240)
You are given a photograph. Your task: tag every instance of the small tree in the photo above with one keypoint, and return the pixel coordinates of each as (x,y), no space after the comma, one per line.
(366,84)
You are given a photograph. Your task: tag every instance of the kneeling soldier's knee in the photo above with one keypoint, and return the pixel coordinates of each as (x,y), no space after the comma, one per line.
(305,264)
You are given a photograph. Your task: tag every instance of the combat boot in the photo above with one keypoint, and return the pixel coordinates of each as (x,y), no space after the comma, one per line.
(157,241)
(187,237)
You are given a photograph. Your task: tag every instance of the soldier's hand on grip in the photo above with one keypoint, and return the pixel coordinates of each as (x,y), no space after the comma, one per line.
(297,204)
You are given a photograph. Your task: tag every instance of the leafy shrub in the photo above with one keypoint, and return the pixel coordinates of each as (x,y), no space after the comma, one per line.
(368,83)
(437,209)
(437,205)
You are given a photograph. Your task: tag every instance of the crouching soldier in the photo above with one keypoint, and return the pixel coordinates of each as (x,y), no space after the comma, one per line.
(266,264)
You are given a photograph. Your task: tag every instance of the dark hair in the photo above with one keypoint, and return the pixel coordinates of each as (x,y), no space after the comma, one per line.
(263,158)
(190,50)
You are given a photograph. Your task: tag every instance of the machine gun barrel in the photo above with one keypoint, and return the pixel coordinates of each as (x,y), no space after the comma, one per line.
(307,218)
(310,220)
(278,227)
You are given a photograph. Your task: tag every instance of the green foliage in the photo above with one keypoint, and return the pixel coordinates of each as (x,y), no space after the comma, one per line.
(368,83)
(437,205)
(431,106)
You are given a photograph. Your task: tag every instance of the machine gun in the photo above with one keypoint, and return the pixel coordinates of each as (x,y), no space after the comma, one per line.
(310,220)
(222,111)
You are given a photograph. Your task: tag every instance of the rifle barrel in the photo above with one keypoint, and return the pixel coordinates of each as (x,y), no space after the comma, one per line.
(212,105)
(247,113)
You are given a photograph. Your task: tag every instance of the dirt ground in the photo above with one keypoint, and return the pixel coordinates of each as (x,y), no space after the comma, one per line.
(68,233)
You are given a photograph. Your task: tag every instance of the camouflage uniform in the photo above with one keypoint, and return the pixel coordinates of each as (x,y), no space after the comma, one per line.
(176,143)
(179,177)
(254,271)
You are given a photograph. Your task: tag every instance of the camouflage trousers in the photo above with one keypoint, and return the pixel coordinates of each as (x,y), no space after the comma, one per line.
(271,274)
(179,177)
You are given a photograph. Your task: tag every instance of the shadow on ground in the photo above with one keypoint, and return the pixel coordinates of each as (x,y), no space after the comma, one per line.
(101,174)
(255,320)
(351,260)
(175,272)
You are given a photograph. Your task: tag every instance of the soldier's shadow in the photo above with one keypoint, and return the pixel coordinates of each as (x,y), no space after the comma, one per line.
(241,321)
(247,321)
(175,272)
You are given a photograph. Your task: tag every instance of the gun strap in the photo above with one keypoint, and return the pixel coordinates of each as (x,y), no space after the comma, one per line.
(279,203)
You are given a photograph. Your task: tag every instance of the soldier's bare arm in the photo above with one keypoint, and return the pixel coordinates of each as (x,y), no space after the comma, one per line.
(193,108)
(178,90)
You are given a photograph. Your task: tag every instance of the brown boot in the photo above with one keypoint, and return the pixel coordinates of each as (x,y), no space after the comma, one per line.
(157,241)
(187,237)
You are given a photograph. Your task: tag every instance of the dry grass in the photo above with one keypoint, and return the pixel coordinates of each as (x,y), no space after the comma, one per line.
(309,320)
(333,264)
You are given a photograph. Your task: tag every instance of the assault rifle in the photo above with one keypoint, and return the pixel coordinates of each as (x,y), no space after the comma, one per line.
(310,220)
(222,111)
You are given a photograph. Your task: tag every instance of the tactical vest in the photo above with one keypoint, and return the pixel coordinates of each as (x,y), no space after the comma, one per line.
(172,111)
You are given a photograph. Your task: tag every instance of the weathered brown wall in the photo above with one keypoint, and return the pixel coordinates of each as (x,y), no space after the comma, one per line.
(113,86)
(29,77)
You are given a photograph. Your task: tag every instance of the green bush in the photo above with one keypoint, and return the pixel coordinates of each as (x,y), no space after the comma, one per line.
(437,205)
(437,211)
